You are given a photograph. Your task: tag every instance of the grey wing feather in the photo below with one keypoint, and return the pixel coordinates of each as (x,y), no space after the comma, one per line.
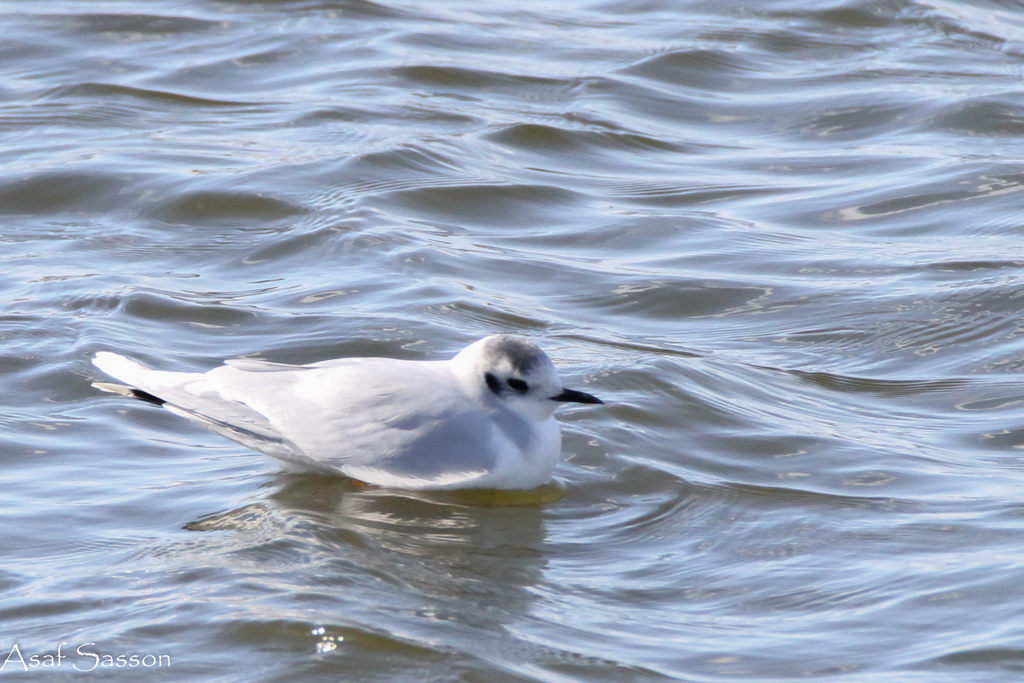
(213,408)
(253,365)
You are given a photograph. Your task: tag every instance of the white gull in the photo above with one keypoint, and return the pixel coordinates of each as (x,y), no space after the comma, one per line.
(484,419)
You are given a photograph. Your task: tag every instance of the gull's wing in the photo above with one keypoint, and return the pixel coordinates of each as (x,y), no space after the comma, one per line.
(368,416)
(190,395)
(380,419)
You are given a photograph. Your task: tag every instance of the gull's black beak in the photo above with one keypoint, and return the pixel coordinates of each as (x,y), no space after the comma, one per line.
(576,397)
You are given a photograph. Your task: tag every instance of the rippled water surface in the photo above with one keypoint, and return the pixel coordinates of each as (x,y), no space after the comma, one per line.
(783,240)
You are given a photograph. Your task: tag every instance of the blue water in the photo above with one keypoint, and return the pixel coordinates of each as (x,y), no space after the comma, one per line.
(782,240)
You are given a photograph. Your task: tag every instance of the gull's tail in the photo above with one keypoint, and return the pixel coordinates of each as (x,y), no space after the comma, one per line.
(128,371)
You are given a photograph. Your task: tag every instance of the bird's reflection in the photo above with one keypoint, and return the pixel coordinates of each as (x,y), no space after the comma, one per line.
(465,553)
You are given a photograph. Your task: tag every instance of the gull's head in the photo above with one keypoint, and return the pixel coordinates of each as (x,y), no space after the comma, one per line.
(517,373)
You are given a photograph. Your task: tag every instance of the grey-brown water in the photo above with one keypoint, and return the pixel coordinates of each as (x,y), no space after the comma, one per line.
(783,240)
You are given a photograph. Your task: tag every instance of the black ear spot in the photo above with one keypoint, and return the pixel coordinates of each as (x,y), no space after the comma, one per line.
(519,385)
(493,383)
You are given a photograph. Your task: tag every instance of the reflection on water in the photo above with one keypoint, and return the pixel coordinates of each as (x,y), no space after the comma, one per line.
(414,538)
(375,563)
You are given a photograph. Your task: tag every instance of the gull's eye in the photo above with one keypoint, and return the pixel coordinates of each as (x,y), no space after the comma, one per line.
(519,385)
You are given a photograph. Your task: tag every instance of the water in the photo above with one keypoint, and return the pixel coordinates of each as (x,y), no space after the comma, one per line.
(781,239)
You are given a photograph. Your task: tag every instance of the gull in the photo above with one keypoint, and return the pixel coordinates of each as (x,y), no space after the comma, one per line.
(482,420)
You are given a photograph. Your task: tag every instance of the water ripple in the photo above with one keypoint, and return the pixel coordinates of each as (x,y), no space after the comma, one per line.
(781,240)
